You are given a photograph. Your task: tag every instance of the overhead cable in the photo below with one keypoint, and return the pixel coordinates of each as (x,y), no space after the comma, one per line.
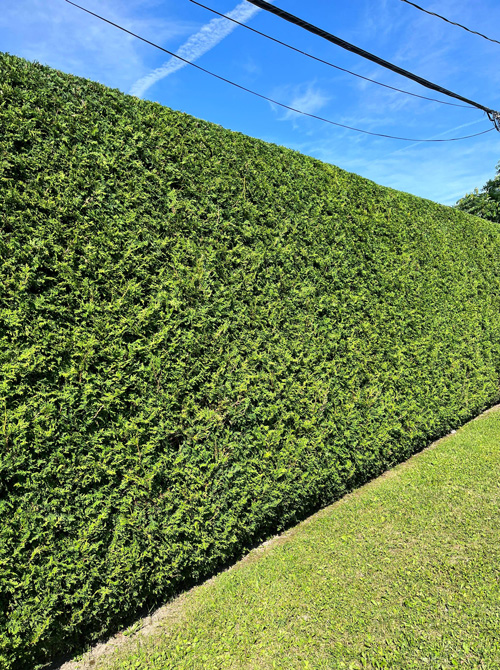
(474,32)
(320,60)
(493,115)
(264,97)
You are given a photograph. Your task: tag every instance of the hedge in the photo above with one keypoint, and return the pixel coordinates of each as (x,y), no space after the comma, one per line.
(204,337)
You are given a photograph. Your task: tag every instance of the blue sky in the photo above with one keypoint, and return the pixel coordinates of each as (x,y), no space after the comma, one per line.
(55,33)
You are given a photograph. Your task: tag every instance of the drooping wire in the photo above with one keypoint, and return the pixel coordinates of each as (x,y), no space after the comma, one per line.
(325,62)
(493,115)
(474,32)
(264,97)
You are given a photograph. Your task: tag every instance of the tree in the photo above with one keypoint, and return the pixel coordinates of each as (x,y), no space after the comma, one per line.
(486,202)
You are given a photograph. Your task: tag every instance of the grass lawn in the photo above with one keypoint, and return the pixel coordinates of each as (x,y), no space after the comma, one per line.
(402,573)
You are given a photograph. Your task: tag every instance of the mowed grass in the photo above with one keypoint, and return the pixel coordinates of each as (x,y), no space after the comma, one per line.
(402,573)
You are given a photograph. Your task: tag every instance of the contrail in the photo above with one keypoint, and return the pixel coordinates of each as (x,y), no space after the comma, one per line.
(198,44)
(410,146)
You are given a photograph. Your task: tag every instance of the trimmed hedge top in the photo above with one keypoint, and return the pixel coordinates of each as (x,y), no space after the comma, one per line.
(203,338)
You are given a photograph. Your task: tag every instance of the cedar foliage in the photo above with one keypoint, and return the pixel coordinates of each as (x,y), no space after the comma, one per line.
(203,338)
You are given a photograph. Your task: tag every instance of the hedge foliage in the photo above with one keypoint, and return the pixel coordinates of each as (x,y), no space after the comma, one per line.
(203,337)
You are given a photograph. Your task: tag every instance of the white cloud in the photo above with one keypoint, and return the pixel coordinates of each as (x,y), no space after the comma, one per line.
(210,35)
(306,97)
(309,101)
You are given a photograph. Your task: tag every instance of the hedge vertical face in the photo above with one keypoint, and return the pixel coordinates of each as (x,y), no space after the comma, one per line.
(203,337)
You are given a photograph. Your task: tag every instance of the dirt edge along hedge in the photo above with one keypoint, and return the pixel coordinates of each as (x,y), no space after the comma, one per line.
(203,337)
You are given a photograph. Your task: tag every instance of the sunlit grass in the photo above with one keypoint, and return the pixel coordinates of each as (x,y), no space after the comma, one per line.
(403,573)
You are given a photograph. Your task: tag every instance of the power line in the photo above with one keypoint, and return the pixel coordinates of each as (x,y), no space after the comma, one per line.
(264,97)
(320,60)
(492,114)
(448,21)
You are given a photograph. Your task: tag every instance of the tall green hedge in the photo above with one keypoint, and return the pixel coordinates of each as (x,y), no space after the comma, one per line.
(203,337)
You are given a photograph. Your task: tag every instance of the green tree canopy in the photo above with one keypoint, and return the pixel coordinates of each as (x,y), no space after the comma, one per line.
(486,202)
